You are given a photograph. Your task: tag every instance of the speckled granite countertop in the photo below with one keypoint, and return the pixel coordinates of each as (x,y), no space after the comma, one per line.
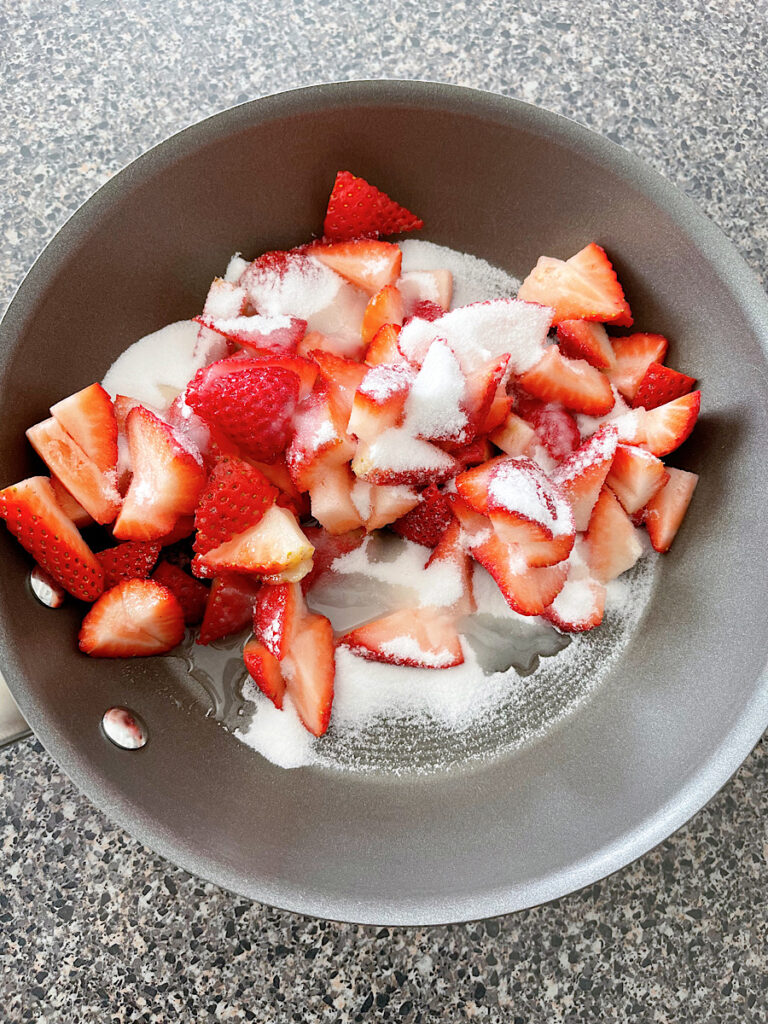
(93,927)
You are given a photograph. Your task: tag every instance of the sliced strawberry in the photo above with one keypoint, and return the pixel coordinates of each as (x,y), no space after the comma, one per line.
(252,403)
(498,410)
(89,418)
(383,348)
(578,607)
(473,484)
(36,520)
(310,670)
(470,453)
(661,385)
(134,619)
(419,637)
(486,400)
(386,307)
(665,428)
(527,590)
(327,550)
(71,508)
(229,608)
(581,475)
(277,473)
(276,617)
(584,287)
(305,369)
(273,545)
(383,504)
(635,477)
(514,436)
(191,594)
(396,457)
(225,300)
(427,522)
(167,481)
(432,286)
(613,543)
(331,500)
(571,382)
(345,347)
(93,488)
(582,339)
(343,377)
(633,355)
(666,510)
(261,335)
(451,553)
(235,498)
(380,400)
(369,265)
(293,574)
(265,671)
(133,560)
(555,428)
(356,208)
(319,439)
(185,527)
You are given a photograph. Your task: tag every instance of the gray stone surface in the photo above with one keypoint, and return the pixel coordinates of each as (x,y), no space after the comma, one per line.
(93,927)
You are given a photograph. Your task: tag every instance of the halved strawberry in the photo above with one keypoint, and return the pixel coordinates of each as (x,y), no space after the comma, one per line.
(635,476)
(419,637)
(71,508)
(383,348)
(229,608)
(433,286)
(93,488)
(310,669)
(386,307)
(665,428)
(331,500)
(260,335)
(167,481)
(584,339)
(514,436)
(613,543)
(191,594)
(555,428)
(427,522)
(380,400)
(273,545)
(327,550)
(473,483)
(369,265)
(89,418)
(134,619)
(36,520)
(584,287)
(133,560)
(633,355)
(451,553)
(666,510)
(661,385)
(235,498)
(356,208)
(265,671)
(527,590)
(396,457)
(276,617)
(578,607)
(581,475)
(571,382)
(225,300)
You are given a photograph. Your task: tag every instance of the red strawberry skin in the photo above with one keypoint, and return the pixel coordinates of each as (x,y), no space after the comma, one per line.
(556,428)
(265,671)
(133,560)
(236,497)
(427,522)
(134,619)
(661,385)
(34,517)
(357,209)
(229,608)
(253,405)
(191,594)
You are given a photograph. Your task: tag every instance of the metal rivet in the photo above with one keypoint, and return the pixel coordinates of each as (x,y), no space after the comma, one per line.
(46,589)
(124,728)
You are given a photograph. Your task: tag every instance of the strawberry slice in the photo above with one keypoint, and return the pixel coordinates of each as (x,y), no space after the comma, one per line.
(470,453)
(665,428)
(276,617)
(571,382)
(331,500)
(418,637)
(342,377)
(473,483)
(426,310)
(71,508)
(252,403)
(612,540)
(578,607)
(229,608)
(661,385)
(486,401)
(357,208)
(319,440)
(191,594)
(396,457)
(36,520)
(235,498)
(89,418)
(93,488)
(386,307)
(134,619)
(383,348)
(582,339)
(380,400)
(426,286)
(555,428)
(381,504)
(514,436)
(261,335)
(581,475)
(528,590)
(584,287)
(273,545)
(265,671)
(133,560)
(167,481)
(327,549)
(635,477)
(666,510)
(185,526)
(451,554)
(367,264)
(633,355)
(427,522)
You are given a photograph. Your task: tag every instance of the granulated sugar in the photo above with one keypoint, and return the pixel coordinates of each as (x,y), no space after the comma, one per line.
(157,368)
(474,280)
(434,406)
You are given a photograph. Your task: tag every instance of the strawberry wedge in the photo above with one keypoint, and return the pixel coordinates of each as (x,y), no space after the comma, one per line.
(417,637)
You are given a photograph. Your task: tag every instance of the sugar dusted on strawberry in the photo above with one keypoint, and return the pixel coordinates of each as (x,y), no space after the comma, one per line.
(435,408)
(366,264)
(426,286)
(396,457)
(225,300)
(277,335)
(426,522)
(419,637)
